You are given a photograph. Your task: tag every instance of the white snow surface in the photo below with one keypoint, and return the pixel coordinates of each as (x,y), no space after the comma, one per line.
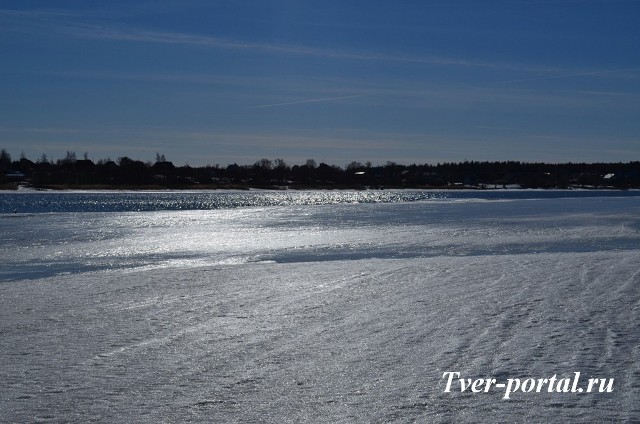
(344,313)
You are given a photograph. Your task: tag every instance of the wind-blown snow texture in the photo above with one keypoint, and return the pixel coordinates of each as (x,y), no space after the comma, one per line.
(320,313)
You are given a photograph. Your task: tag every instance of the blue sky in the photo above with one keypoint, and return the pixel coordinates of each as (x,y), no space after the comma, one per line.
(224,81)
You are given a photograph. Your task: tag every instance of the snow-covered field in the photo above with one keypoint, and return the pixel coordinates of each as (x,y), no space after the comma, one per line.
(321,313)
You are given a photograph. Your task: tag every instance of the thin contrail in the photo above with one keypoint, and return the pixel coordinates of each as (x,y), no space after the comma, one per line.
(571,75)
(327,99)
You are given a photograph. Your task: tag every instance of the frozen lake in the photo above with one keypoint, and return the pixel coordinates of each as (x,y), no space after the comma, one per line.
(317,306)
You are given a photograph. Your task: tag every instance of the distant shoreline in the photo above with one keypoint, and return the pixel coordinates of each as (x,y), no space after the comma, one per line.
(7,188)
(128,174)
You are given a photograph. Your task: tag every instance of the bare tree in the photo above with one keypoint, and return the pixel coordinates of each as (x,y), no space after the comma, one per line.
(69,158)
(5,158)
(264,164)
(353,166)
(280,164)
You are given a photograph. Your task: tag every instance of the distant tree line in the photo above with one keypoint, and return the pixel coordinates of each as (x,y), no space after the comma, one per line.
(71,172)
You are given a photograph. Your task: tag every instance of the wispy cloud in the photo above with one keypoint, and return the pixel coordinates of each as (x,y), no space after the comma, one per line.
(299,102)
(45,130)
(180,78)
(574,75)
(164,37)
(71,25)
(38,14)
(495,128)
(110,33)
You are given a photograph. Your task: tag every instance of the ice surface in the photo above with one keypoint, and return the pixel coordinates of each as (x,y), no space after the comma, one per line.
(320,313)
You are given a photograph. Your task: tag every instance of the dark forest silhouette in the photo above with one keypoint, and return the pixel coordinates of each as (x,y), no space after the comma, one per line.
(127,173)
